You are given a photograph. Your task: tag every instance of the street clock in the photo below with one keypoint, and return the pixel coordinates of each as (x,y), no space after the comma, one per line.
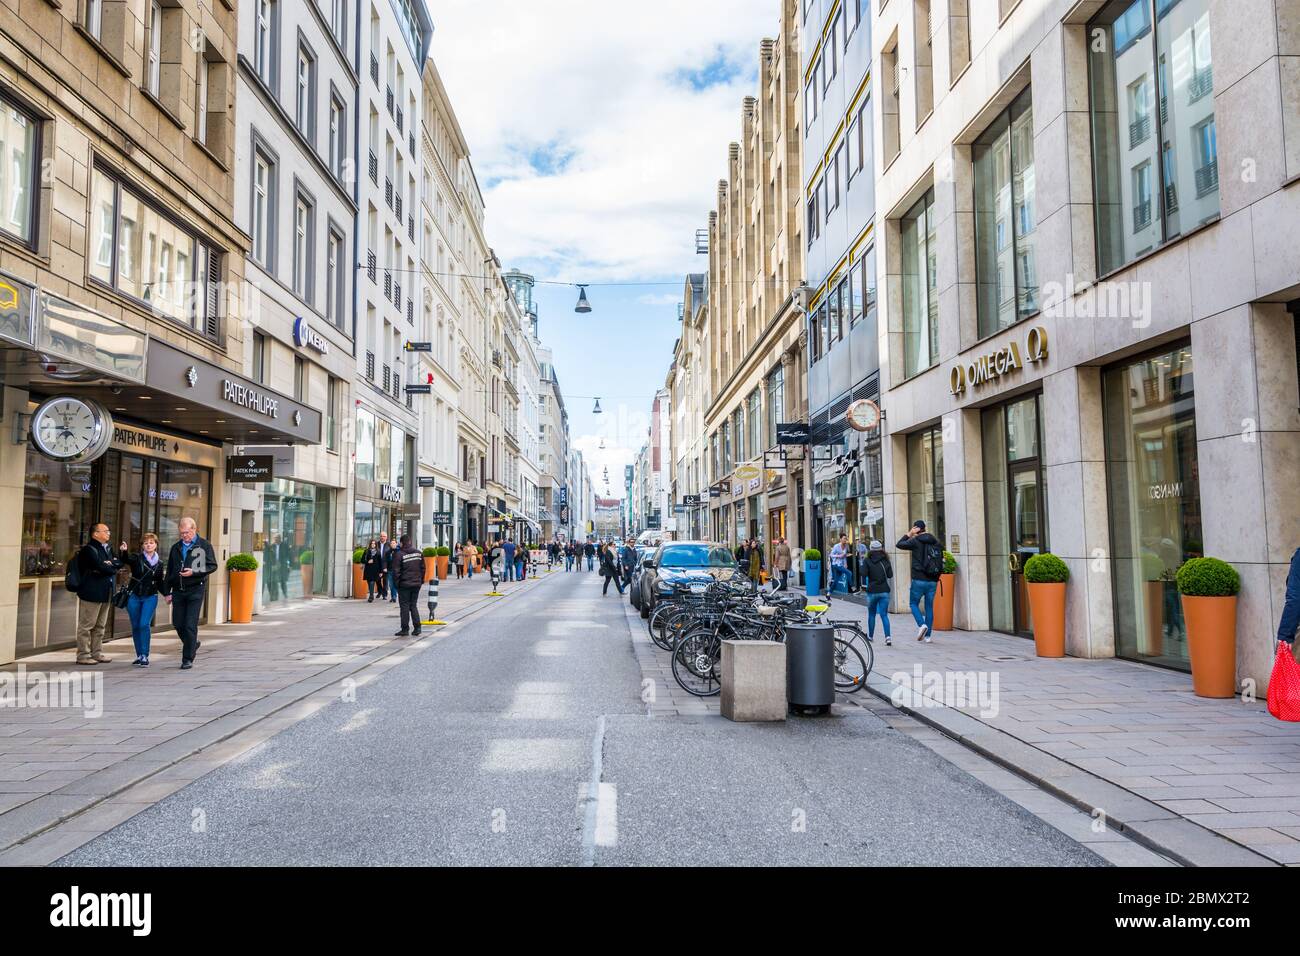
(71,429)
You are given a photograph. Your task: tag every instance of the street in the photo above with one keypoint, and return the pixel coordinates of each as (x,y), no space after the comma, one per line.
(522,738)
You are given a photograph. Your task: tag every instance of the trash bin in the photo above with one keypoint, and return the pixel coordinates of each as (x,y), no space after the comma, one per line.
(810,667)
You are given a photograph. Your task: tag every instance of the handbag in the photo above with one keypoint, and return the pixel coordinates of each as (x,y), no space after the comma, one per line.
(1284,685)
(122,596)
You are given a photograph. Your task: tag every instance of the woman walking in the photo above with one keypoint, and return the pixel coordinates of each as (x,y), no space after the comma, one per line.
(467,553)
(145,586)
(372,569)
(609,569)
(878,574)
(457,559)
(781,562)
(756,563)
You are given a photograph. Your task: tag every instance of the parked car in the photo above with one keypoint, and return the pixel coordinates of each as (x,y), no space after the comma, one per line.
(634,589)
(683,562)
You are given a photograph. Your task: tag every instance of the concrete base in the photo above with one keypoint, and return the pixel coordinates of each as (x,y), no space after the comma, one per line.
(753,680)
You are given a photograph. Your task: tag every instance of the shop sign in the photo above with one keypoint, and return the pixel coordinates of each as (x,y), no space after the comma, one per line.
(419,346)
(746,472)
(954,543)
(563,499)
(440,517)
(406,514)
(793,433)
(418,389)
(426,481)
(250,468)
(305,335)
(679,509)
(390,493)
(999,362)
(755,483)
(737,490)
(715,492)
(16,309)
(1161,492)
(564,514)
(691,501)
(134,438)
(250,398)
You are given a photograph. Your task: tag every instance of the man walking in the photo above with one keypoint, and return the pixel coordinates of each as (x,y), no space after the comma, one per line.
(927,565)
(98,568)
(589,550)
(509,549)
(408,567)
(839,564)
(385,563)
(627,558)
(189,563)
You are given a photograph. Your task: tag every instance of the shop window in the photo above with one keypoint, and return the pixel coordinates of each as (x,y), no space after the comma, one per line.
(365,446)
(920,298)
(925,480)
(1005,219)
(18,170)
(1150,69)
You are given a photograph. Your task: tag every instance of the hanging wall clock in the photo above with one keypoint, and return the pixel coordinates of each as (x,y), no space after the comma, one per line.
(71,429)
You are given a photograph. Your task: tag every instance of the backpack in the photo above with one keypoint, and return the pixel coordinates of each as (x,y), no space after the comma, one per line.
(72,576)
(932,560)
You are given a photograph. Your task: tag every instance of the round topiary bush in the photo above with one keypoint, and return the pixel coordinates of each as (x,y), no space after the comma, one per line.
(359,556)
(949,563)
(430,552)
(1208,577)
(812,554)
(444,552)
(1046,569)
(307,557)
(241,562)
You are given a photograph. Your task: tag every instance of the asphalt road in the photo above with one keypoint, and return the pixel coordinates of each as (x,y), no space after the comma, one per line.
(522,739)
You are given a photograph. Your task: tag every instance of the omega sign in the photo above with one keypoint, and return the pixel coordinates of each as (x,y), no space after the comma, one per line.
(999,362)
(251,398)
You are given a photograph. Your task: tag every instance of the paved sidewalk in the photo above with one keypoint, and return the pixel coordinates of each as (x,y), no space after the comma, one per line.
(1226,765)
(56,763)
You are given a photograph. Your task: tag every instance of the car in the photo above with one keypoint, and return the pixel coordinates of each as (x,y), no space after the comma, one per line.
(634,588)
(684,562)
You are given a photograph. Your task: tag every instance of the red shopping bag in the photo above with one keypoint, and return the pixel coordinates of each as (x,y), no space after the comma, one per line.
(1284,685)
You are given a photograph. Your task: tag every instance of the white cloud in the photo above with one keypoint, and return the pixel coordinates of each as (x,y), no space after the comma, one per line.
(598,158)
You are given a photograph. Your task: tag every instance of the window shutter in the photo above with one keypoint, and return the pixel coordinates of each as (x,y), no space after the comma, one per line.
(212,307)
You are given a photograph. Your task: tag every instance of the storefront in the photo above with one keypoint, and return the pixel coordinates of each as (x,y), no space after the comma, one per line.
(297,539)
(384,496)
(1155,502)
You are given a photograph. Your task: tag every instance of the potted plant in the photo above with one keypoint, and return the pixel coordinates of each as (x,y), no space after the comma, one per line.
(443,562)
(242,568)
(812,571)
(943,598)
(430,561)
(1209,590)
(1045,578)
(1153,576)
(359,573)
(307,566)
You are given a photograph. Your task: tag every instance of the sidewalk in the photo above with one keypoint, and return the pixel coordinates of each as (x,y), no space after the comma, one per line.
(56,763)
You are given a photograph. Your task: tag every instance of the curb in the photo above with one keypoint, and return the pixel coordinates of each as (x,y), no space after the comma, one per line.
(1143,821)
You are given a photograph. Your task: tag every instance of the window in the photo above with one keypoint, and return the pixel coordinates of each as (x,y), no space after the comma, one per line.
(95,18)
(299,379)
(335,278)
(258,369)
(754,416)
(304,247)
(339,21)
(925,480)
(305,93)
(18,170)
(265,28)
(338,136)
(920,299)
(1150,68)
(775,403)
(331,414)
(814,220)
(262,220)
(1005,219)
(833,318)
(146,255)
(833,180)
(153,66)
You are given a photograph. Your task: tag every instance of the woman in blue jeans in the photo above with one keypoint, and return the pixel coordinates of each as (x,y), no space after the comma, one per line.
(146,584)
(879,572)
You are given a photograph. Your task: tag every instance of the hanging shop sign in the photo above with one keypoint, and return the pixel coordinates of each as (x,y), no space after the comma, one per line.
(390,493)
(793,433)
(426,481)
(999,362)
(746,472)
(440,517)
(691,501)
(250,468)
(304,336)
(755,483)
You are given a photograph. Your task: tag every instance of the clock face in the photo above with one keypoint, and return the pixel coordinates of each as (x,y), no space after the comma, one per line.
(863,415)
(70,429)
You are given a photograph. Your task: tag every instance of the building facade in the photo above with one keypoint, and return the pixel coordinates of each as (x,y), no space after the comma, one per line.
(1088,336)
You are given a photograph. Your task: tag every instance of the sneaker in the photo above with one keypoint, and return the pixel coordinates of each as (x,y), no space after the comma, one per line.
(401,634)
(102,658)
(927,638)
(186,665)
(87,661)
(416,632)
(921,632)
(889,641)
(137,662)
(144,662)
(370,599)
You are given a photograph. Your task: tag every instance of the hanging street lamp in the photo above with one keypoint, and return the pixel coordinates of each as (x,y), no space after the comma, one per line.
(583,305)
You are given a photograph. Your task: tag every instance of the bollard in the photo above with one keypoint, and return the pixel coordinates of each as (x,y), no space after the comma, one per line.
(433,603)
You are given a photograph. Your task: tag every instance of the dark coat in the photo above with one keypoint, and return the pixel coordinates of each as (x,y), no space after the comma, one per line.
(914,545)
(146,578)
(98,568)
(372,567)
(879,571)
(173,581)
(608,568)
(408,563)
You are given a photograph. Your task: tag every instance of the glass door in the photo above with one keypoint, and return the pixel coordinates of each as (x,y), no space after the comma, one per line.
(1015,508)
(1026,537)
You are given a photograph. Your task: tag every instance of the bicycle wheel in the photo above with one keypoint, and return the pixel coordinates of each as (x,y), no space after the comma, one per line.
(657,618)
(850,668)
(859,640)
(697,663)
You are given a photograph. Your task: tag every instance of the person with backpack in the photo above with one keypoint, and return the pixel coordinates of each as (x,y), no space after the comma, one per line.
(927,565)
(147,575)
(90,576)
(877,572)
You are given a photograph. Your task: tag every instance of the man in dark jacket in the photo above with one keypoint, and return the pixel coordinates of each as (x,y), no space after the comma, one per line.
(189,563)
(408,567)
(1286,630)
(387,581)
(627,559)
(925,577)
(98,568)
(589,550)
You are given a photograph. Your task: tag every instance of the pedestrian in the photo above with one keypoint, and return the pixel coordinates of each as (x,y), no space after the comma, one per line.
(408,568)
(627,559)
(521,562)
(385,559)
(742,557)
(756,562)
(147,573)
(860,555)
(568,556)
(282,565)
(1287,627)
(839,564)
(496,562)
(781,562)
(609,569)
(189,563)
(927,565)
(589,550)
(509,550)
(372,570)
(98,569)
(467,552)
(878,573)
(391,557)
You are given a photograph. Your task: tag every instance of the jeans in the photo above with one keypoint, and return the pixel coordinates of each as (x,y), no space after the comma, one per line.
(839,578)
(520,571)
(785,579)
(372,588)
(923,589)
(590,562)
(140,611)
(392,585)
(509,571)
(877,604)
(568,562)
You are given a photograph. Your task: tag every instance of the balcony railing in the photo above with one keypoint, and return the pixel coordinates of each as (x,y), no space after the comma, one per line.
(1139,130)
(370,366)
(400,116)
(410,227)
(388,192)
(388,99)
(397,385)
(1171,198)
(410,311)
(1164,110)
(411,142)
(374,168)
(374,69)
(388,378)
(397,206)
(388,284)
(371,261)
(1141,215)
(397,294)
(1207,178)
(1202,82)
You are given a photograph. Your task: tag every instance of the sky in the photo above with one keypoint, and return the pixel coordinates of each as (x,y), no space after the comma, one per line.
(598,132)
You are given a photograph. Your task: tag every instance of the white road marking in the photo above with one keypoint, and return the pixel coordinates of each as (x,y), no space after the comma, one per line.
(551,648)
(566,627)
(531,754)
(538,700)
(600,813)
(357,721)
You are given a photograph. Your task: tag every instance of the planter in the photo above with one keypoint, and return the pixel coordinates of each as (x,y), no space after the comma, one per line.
(429,565)
(443,562)
(243,584)
(358,581)
(1212,644)
(1155,595)
(1047,605)
(308,576)
(812,578)
(943,600)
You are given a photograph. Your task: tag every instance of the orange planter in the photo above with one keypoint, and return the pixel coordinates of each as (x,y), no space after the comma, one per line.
(243,584)
(1155,618)
(943,596)
(1212,644)
(443,562)
(308,578)
(1047,605)
(430,565)
(358,581)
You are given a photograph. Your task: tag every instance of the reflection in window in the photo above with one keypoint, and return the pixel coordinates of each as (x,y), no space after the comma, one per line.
(920,299)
